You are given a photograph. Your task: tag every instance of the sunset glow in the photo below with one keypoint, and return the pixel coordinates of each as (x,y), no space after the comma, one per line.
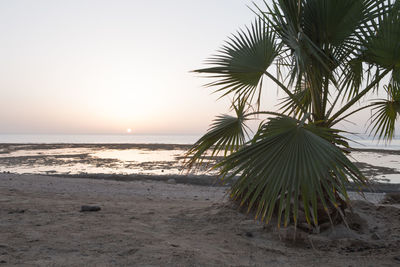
(94,67)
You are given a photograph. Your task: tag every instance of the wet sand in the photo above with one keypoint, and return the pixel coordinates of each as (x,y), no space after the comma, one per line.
(154,223)
(76,159)
(161,217)
(96,160)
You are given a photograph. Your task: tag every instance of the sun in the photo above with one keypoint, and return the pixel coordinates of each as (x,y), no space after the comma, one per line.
(129,130)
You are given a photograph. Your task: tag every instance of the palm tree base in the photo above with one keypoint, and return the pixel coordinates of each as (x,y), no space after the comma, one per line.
(326,218)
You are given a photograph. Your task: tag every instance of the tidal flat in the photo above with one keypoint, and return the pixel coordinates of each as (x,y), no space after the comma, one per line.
(152,161)
(155,213)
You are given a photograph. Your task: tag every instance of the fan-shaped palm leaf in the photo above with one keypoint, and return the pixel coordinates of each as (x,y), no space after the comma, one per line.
(396,76)
(287,164)
(325,51)
(243,60)
(226,134)
(383,46)
(353,75)
(385,114)
(302,96)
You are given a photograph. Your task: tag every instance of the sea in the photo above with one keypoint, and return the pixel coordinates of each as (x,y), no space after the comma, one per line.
(128,154)
(357,141)
(98,138)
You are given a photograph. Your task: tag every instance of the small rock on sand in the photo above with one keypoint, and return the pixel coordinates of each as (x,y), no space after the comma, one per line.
(171,181)
(16,211)
(86,208)
(249,234)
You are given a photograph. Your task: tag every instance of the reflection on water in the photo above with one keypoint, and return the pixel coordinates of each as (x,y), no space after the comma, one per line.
(139,155)
(146,159)
(391,178)
(365,142)
(80,168)
(45,152)
(378,159)
(62,159)
(381,166)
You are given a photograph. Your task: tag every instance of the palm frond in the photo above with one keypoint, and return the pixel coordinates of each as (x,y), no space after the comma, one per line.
(289,22)
(383,46)
(300,98)
(290,165)
(330,23)
(385,114)
(352,77)
(325,51)
(396,76)
(242,61)
(226,134)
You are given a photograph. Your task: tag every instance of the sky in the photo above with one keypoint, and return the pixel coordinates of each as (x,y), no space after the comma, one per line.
(93,66)
(98,67)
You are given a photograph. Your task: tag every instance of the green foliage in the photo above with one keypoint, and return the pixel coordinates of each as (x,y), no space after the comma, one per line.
(386,112)
(227,134)
(383,46)
(241,63)
(328,55)
(289,162)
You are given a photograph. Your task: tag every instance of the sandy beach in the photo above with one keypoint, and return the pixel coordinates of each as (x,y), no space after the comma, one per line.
(154,223)
(123,144)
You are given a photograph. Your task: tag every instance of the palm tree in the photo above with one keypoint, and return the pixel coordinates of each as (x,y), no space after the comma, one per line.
(327,54)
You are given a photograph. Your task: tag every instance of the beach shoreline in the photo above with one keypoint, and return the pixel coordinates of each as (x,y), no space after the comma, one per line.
(83,160)
(157,223)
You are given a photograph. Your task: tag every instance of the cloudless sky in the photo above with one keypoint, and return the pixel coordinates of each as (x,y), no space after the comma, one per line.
(97,66)
(93,66)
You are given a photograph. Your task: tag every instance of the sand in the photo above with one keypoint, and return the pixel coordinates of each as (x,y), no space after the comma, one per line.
(150,223)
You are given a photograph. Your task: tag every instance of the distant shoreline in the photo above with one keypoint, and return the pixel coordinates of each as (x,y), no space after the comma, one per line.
(113,169)
(165,146)
(100,145)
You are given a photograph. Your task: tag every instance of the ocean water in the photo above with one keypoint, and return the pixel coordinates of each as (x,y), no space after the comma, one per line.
(97,139)
(367,142)
(38,154)
(359,141)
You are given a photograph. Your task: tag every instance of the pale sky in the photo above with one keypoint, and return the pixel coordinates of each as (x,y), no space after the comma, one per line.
(96,66)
